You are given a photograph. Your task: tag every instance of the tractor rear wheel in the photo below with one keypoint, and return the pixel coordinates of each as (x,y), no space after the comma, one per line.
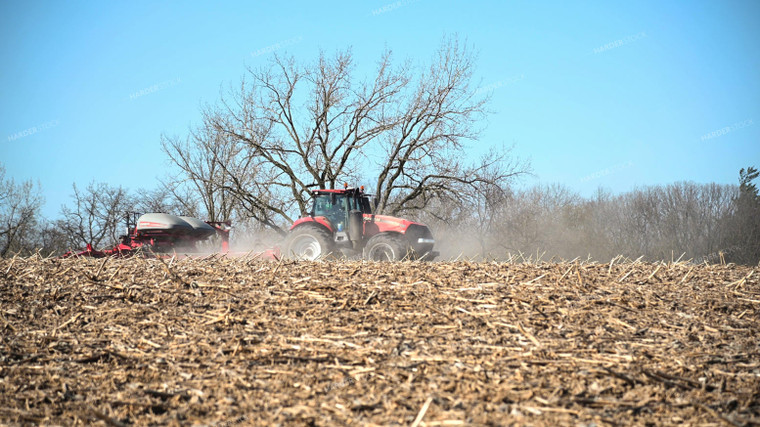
(308,244)
(385,247)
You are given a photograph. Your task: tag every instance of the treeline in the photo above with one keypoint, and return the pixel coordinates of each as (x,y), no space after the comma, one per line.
(702,222)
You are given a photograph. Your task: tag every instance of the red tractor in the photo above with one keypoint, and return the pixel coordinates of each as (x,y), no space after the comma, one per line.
(341,222)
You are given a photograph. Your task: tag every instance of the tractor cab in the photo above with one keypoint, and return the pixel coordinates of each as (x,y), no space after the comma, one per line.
(338,205)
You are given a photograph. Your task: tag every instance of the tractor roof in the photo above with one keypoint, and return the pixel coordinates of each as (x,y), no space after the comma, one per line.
(339,191)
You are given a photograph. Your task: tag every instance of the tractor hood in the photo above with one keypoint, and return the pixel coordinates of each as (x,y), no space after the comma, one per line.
(376,223)
(389,223)
(386,223)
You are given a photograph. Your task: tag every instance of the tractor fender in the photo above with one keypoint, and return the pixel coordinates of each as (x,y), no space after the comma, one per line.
(320,221)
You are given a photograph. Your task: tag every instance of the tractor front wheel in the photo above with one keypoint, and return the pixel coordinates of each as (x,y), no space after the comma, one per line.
(384,247)
(308,244)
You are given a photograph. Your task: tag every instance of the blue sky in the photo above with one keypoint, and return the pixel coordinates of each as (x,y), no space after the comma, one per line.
(594,94)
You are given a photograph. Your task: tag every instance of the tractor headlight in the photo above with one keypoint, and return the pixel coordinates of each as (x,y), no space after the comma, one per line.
(423,240)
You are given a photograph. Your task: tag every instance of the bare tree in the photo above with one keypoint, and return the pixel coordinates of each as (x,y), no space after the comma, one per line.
(169,197)
(744,223)
(97,215)
(19,212)
(209,164)
(51,239)
(291,128)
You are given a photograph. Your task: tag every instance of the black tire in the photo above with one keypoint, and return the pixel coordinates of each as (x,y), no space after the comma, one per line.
(386,247)
(308,243)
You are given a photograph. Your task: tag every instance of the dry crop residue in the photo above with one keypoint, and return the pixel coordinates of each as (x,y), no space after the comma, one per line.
(225,342)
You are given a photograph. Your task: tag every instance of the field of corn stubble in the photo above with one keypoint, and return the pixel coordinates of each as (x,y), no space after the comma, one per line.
(223,342)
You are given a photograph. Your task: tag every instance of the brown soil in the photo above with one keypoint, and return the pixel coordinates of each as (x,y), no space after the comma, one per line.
(237,342)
